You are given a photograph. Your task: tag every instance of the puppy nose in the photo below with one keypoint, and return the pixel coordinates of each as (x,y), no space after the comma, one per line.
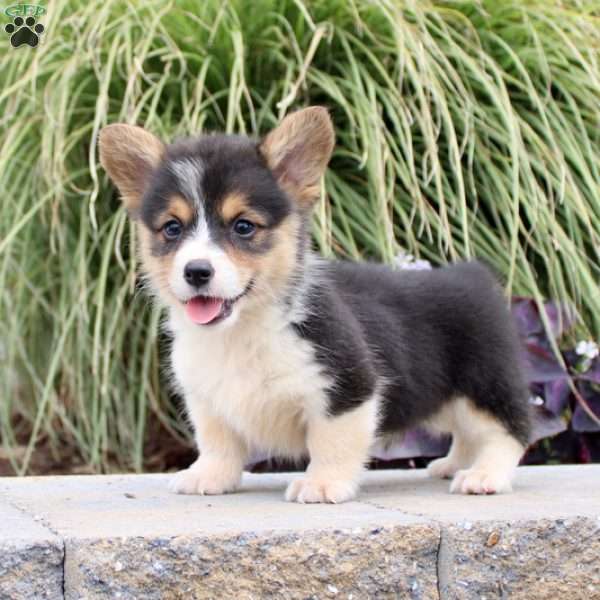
(198,272)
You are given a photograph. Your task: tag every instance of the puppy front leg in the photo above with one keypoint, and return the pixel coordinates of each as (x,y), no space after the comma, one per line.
(339,448)
(223,454)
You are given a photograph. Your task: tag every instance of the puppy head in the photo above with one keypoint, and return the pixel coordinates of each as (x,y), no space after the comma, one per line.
(221,219)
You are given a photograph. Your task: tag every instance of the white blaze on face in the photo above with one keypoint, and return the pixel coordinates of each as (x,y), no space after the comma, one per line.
(189,173)
(226,282)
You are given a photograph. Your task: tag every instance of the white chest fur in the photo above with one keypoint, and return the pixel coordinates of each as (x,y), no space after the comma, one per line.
(259,376)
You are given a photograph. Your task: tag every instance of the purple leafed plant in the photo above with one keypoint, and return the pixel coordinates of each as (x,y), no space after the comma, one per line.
(565,387)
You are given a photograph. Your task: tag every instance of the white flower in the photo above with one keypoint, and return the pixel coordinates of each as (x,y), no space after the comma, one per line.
(403,260)
(588,349)
(536,400)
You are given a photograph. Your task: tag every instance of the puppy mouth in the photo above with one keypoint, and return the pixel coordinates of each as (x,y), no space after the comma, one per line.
(209,310)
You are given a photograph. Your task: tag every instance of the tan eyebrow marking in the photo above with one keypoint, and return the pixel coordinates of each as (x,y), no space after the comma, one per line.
(233,205)
(236,205)
(177,207)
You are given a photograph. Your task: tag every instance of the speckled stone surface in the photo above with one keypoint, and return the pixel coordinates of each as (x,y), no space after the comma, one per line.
(404,537)
(368,563)
(527,560)
(31,559)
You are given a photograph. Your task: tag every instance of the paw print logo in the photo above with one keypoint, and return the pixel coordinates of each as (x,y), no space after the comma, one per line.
(24,32)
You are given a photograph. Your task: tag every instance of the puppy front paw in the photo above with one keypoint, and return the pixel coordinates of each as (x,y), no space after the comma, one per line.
(480,481)
(309,490)
(206,477)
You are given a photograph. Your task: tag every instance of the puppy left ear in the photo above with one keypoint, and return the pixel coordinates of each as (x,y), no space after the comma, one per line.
(298,150)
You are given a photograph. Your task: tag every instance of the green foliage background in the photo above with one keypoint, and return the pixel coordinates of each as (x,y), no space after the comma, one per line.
(464,129)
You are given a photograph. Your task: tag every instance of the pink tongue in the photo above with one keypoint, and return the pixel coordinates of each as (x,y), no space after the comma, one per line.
(203,310)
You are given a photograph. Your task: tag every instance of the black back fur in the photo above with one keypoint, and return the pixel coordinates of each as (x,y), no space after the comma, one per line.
(432,336)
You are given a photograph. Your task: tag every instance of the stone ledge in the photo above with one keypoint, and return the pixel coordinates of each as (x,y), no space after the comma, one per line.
(31,556)
(128,537)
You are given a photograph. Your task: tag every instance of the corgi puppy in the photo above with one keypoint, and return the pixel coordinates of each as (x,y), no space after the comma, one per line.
(279,351)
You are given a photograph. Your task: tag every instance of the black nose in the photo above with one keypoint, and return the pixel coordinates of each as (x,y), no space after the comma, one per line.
(198,272)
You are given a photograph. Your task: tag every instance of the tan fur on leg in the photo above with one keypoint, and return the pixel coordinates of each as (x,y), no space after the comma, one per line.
(459,457)
(483,456)
(222,456)
(339,448)
(494,466)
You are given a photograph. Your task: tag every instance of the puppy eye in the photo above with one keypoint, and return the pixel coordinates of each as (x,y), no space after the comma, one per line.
(171,229)
(244,228)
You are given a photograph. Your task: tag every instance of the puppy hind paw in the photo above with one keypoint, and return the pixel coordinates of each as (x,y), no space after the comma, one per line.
(444,468)
(310,491)
(480,481)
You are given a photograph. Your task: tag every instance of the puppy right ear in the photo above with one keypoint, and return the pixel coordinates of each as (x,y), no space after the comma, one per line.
(129,154)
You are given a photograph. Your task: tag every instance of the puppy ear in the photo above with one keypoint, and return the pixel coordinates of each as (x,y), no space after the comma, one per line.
(298,150)
(130,154)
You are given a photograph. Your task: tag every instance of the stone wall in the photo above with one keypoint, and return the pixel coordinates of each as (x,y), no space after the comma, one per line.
(405,537)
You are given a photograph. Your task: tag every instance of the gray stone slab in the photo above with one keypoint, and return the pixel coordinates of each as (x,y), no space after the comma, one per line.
(141,505)
(539,492)
(528,560)
(134,505)
(31,557)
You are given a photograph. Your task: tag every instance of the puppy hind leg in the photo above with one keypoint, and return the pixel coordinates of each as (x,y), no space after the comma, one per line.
(493,469)
(496,454)
(460,457)
(339,449)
